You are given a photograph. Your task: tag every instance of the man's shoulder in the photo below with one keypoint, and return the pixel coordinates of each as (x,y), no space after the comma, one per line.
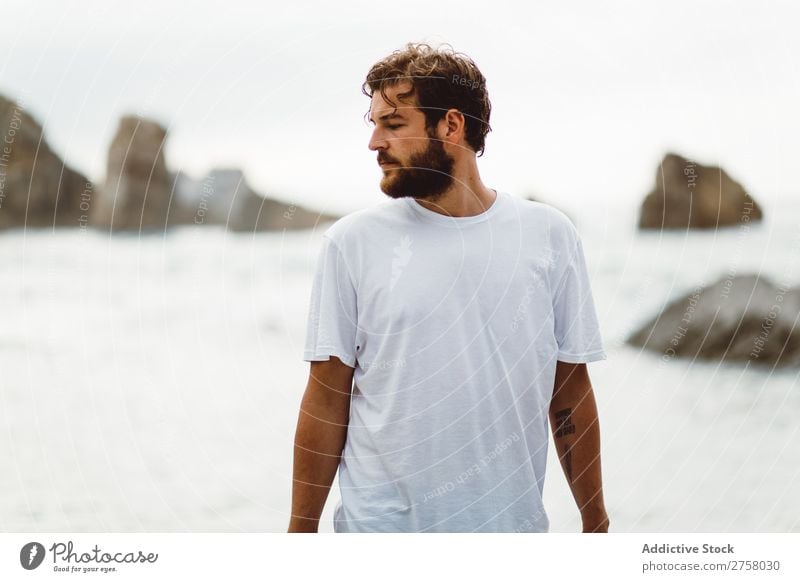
(356,224)
(541,215)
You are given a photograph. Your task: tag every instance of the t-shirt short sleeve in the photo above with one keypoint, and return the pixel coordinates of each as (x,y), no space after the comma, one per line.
(332,314)
(577,329)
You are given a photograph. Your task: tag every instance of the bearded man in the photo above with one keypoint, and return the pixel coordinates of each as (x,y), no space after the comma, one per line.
(447,325)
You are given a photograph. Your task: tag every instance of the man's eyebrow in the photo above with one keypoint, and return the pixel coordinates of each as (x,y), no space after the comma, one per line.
(387,116)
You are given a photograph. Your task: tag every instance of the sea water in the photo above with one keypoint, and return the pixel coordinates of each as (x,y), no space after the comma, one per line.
(152,383)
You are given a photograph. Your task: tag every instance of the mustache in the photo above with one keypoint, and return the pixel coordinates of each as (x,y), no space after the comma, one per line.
(386,159)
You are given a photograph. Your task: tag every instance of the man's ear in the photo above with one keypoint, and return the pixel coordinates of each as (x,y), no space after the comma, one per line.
(454,122)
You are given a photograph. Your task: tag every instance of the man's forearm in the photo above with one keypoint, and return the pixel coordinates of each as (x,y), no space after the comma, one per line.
(576,433)
(318,444)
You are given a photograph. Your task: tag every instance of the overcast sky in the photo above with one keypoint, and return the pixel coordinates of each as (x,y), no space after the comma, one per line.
(586,96)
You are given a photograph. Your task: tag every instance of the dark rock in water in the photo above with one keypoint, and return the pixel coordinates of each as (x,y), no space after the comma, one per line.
(36,188)
(137,188)
(224,197)
(689,195)
(257,212)
(743,318)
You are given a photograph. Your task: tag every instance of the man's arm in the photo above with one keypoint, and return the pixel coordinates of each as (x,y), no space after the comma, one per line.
(576,432)
(319,440)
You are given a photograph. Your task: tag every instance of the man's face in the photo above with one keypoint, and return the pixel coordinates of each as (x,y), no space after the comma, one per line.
(413,161)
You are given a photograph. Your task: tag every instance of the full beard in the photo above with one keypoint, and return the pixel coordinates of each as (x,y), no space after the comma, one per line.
(428,174)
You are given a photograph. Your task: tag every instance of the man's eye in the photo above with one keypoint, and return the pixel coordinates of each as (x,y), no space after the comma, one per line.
(395,126)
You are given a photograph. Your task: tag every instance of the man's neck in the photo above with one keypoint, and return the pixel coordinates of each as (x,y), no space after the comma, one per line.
(462,199)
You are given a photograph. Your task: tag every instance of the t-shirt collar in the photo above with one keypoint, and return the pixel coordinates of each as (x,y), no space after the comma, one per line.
(445,220)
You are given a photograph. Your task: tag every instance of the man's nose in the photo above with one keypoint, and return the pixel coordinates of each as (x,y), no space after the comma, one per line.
(377,141)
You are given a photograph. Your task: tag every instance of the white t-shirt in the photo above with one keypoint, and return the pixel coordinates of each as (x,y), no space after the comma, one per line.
(453,326)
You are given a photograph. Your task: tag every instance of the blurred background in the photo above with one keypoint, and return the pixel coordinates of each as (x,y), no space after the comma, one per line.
(167,170)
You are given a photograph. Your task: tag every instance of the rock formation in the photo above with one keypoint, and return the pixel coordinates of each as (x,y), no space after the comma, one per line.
(137,188)
(739,318)
(224,197)
(689,195)
(36,188)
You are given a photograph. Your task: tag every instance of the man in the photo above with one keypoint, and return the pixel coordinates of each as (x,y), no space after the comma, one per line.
(446,326)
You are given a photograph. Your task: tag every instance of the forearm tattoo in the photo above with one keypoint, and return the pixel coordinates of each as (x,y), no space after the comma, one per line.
(564,427)
(564,424)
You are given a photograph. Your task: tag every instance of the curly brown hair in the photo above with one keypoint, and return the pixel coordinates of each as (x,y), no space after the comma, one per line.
(441,79)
